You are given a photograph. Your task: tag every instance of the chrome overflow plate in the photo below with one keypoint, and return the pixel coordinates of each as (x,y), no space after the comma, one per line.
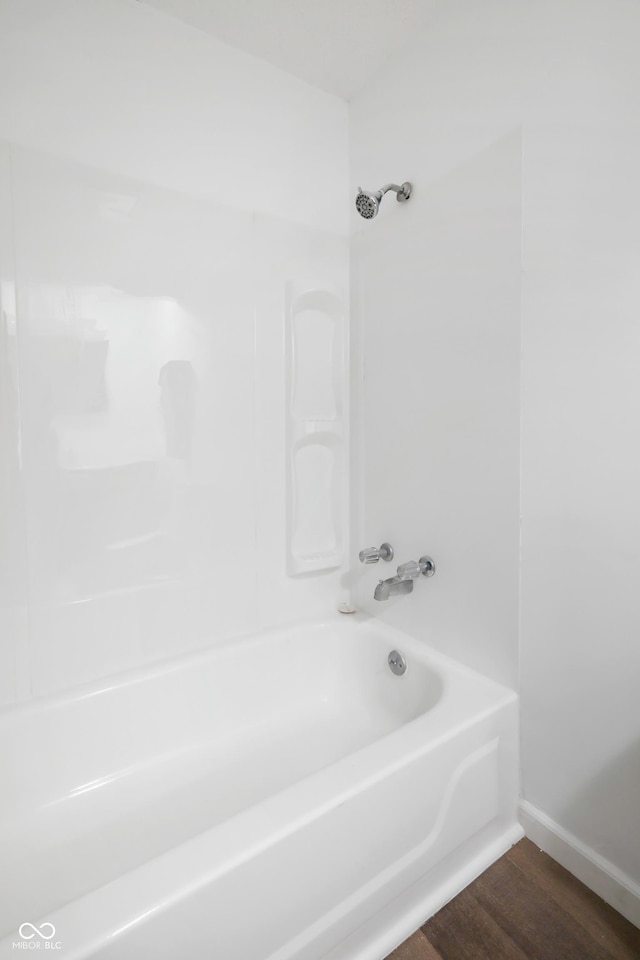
(397,663)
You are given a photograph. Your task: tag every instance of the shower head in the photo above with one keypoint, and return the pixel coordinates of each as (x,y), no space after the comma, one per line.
(368,204)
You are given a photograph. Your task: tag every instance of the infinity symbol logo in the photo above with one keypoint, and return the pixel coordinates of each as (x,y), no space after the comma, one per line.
(40,932)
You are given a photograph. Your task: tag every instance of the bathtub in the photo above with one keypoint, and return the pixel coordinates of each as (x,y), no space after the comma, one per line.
(281,796)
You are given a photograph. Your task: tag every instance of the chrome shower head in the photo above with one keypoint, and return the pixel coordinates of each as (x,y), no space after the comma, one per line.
(368,204)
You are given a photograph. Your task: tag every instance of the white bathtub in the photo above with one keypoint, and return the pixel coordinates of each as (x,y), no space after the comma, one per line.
(283,796)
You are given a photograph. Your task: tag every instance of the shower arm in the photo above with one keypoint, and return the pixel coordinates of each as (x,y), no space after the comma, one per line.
(403,192)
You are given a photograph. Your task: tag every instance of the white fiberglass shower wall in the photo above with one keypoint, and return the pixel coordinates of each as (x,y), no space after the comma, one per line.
(157,220)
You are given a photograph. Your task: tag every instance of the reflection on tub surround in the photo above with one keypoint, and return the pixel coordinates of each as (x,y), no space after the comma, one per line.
(402,583)
(177,382)
(118,229)
(103,500)
(148,368)
(12,581)
(83,391)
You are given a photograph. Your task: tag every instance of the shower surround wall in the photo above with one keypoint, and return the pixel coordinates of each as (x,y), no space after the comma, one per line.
(155,201)
(440,298)
(436,327)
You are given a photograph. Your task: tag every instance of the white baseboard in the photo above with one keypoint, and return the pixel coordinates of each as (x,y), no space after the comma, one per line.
(601,876)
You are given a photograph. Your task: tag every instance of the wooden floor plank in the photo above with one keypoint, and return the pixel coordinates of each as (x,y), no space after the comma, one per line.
(619,937)
(524,907)
(463,930)
(531,918)
(416,947)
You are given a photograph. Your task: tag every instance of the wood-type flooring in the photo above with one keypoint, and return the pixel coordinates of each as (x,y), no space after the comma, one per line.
(524,907)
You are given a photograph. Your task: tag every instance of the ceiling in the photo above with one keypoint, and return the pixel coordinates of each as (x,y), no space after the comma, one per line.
(337,45)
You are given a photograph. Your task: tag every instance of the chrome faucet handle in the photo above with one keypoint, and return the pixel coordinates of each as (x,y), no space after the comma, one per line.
(414,568)
(410,570)
(373,554)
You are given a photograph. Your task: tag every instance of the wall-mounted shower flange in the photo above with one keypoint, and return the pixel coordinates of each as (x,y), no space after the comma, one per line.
(427,566)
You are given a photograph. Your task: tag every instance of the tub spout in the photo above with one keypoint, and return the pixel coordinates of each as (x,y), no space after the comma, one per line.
(403,581)
(393,587)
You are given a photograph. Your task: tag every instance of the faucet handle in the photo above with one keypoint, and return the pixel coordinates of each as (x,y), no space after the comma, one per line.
(414,568)
(373,554)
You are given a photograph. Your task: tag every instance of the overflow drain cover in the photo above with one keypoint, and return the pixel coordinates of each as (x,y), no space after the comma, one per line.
(397,663)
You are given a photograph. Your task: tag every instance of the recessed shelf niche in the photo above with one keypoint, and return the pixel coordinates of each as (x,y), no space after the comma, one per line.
(316,389)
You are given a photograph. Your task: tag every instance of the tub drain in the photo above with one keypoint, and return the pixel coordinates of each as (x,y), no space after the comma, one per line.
(397,663)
